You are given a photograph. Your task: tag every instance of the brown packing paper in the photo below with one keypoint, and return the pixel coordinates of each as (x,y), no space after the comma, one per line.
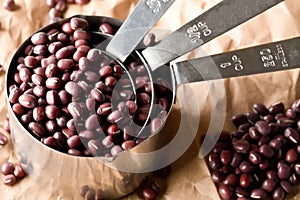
(190,177)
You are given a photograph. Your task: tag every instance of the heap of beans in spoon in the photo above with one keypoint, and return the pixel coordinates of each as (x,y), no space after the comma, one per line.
(260,160)
(62,93)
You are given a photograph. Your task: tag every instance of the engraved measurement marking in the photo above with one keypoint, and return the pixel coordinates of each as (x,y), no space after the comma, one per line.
(268,58)
(281,55)
(236,62)
(194,32)
(155,5)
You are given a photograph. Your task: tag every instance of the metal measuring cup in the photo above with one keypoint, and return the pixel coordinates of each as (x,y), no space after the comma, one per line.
(61,173)
(214,22)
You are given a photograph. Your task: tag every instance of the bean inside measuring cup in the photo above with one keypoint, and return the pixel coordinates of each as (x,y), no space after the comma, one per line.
(61,90)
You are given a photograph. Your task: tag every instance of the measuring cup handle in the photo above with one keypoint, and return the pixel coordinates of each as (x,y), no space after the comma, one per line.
(219,19)
(271,57)
(136,26)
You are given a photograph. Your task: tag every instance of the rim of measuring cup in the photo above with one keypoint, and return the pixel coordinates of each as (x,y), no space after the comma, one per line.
(167,68)
(143,62)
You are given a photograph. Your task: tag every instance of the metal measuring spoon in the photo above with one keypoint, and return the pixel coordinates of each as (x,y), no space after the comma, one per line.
(136,26)
(214,22)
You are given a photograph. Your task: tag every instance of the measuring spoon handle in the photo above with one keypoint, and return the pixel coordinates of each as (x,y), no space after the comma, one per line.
(219,19)
(271,57)
(136,26)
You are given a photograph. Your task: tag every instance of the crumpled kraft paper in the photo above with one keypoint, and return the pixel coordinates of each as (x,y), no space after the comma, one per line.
(190,177)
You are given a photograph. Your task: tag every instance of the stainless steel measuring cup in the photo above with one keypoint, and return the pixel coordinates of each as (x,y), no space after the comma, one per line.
(212,23)
(58,172)
(41,162)
(219,19)
(266,58)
